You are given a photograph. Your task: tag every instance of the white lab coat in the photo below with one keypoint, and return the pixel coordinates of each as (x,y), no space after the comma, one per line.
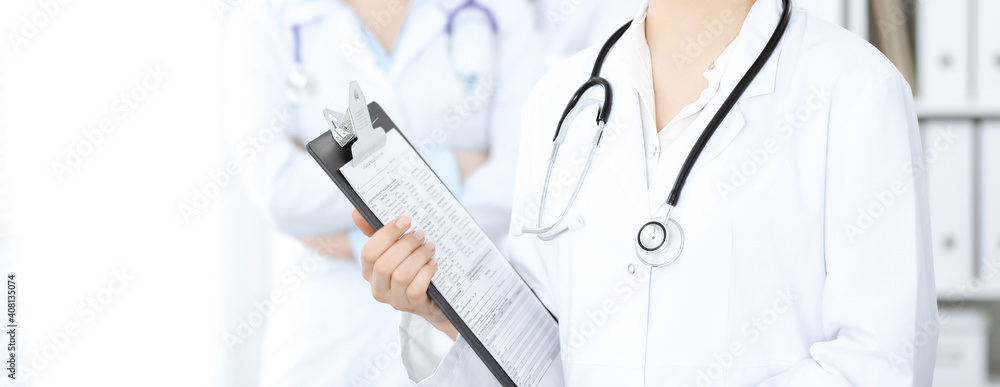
(331,331)
(572,25)
(806,260)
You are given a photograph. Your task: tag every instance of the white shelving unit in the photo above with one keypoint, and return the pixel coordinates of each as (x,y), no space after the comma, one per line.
(977,294)
(961,111)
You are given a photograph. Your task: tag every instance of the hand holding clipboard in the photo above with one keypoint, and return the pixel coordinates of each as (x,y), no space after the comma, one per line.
(475,286)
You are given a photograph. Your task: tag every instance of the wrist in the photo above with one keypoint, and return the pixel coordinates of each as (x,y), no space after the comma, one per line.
(440,322)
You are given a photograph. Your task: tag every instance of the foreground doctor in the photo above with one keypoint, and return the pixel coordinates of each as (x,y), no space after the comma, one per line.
(328,331)
(806,253)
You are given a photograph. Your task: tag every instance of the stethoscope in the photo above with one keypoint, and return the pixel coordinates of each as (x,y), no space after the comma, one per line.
(660,240)
(467,69)
(300,86)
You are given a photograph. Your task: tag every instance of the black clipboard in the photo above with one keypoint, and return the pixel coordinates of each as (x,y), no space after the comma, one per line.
(331,156)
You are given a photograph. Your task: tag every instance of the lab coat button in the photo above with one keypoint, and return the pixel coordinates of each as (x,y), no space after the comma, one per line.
(631,268)
(949,242)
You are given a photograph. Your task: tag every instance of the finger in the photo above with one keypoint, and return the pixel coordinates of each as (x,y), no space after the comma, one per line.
(404,273)
(380,242)
(362,223)
(396,254)
(416,292)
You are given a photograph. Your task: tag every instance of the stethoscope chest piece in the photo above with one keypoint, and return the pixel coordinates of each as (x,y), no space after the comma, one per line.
(659,244)
(298,86)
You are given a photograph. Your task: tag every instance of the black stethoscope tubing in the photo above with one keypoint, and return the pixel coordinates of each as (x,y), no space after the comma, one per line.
(713,125)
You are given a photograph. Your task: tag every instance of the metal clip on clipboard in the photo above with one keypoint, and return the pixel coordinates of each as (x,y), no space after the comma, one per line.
(355,124)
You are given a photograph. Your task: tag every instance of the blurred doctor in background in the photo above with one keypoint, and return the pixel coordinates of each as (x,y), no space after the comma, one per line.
(573,25)
(451,73)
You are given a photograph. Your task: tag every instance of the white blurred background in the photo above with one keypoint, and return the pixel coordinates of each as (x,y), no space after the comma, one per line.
(70,232)
(118,288)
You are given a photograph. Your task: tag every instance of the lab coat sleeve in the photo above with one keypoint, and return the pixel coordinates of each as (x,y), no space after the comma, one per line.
(431,359)
(282,180)
(488,191)
(879,308)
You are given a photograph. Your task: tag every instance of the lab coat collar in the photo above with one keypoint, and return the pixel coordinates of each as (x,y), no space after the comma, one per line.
(450,5)
(760,24)
(300,12)
(424,23)
(756,31)
(425,19)
(635,54)
(633,44)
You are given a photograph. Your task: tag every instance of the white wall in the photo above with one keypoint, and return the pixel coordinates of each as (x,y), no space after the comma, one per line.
(118,209)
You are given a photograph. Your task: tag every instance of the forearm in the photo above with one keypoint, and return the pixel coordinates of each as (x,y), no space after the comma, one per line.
(336,245)
(441,323)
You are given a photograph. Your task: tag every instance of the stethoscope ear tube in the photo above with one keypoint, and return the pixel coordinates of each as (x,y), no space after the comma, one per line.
(606,48)
(595,80)
(471,4)
(603,113)
(729,103)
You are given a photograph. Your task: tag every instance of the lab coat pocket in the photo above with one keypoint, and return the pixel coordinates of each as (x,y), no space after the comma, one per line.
(778,255)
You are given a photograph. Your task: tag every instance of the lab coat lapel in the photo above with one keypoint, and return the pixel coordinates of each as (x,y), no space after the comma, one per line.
(672,159)
(756,31)
(422,26)
(305,12)
(622,146)
(339,30)
(343,28)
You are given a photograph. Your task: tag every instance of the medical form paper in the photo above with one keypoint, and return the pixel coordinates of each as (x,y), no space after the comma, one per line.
(472,275)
